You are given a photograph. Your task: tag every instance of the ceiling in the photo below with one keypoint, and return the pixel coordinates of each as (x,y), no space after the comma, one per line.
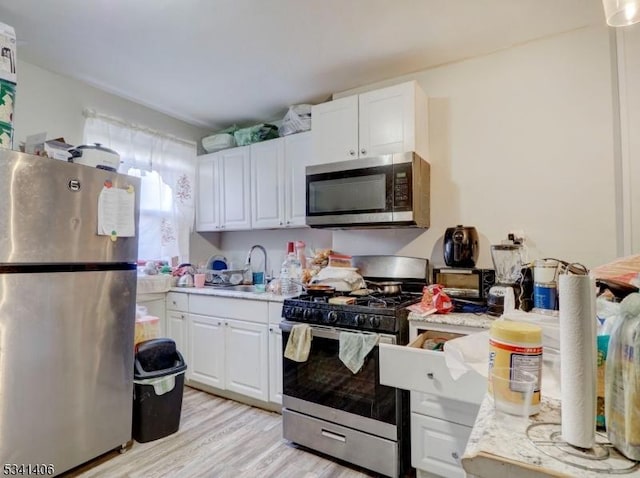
(213,63)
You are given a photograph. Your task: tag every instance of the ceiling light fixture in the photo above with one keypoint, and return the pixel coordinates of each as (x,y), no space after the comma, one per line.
(620,13)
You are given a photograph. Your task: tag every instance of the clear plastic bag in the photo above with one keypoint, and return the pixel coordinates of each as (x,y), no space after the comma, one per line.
(297,120)
(622,380)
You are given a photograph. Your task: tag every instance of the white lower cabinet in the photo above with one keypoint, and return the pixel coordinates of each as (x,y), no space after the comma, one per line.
(437,445)
(229,346)
(177,306)
(443,410)
(206,350)
(246,348)
(275,352)
(275,364)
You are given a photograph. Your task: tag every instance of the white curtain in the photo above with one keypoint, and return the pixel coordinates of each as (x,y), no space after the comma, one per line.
(166,166)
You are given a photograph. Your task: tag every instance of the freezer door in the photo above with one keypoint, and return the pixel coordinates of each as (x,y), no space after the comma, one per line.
(66,365)
(49,212)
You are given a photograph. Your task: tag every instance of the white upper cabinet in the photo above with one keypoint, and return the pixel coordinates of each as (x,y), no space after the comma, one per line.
(235,184)
(267,184)
(335,130)
(278,181)
(384,121)
(224,195)
(297,154)
(208,209)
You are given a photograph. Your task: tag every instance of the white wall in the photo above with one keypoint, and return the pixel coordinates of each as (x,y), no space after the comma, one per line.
(235,245)
(51,103)
(519,139)
(629,78)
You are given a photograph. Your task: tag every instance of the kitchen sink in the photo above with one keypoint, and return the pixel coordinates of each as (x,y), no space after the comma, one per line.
(242,288)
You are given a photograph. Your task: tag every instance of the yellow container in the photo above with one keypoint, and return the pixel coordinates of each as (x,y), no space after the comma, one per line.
(516,347)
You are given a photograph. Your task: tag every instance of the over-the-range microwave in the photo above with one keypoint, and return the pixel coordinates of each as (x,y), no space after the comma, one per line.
(392,190)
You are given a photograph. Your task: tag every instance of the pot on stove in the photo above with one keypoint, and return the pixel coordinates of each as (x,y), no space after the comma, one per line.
(461,246)
(387,287)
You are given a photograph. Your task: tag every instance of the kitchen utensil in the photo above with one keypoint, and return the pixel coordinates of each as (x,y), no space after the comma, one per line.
(185,280)
(319,290)
(96,156)
(461,246)
(507,261)
(217,263)
(387,287)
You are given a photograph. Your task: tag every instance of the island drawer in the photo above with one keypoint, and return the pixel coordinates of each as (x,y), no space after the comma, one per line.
(411,367)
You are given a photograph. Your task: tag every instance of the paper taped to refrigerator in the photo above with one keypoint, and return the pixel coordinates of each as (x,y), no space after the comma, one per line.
(116,212)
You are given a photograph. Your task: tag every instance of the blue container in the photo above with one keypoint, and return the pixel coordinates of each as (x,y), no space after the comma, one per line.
(545,295)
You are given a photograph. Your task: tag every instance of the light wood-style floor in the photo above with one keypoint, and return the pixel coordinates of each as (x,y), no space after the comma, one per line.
(218,438)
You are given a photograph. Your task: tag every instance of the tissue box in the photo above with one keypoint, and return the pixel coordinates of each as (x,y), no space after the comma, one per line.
(147,328)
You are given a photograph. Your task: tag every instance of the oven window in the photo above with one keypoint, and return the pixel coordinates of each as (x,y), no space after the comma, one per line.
(358,193)
(325,380)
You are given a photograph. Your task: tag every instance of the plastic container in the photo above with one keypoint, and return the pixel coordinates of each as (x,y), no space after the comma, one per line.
(291,273)
(158,386)
(339,260)
(218,142)
(516,346)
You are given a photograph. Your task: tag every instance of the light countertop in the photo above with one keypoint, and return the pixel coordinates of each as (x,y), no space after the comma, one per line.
(496,449)
(237,294)
(481,321)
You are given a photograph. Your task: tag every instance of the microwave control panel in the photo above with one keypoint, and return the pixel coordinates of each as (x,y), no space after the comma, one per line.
(402,200)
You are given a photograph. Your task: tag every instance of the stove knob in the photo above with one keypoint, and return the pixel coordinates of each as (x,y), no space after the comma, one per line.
(317,315)
(374,320)
(297,313)
(307,314)
(332,317)
(360,319)
(288,312)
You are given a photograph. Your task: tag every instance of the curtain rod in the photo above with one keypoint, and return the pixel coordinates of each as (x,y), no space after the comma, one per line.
(89,113)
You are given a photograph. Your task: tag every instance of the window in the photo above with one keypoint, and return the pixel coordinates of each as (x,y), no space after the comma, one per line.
(166,168)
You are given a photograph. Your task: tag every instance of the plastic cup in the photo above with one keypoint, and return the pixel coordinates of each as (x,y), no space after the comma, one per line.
(258,277)
(512,391)
(198,280)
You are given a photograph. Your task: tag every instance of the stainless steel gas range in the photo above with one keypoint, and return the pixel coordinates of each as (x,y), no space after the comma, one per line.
(328,408)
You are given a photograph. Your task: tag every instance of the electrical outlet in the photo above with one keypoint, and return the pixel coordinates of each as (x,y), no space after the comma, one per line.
(517,236)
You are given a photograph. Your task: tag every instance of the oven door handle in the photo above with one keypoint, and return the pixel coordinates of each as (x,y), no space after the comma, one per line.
(333,333)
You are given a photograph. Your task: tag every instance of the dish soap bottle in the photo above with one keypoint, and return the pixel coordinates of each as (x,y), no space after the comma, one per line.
(290,273)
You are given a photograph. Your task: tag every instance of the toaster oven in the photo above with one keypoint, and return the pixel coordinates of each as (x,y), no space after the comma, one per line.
(471,284)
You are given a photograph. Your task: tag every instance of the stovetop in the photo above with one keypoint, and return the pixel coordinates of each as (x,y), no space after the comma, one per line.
(373,312)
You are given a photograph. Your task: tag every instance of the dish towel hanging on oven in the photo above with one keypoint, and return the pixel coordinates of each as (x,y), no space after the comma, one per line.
(354,347)
(299,343)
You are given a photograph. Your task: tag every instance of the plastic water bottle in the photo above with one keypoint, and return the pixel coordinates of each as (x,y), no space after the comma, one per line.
(291,273)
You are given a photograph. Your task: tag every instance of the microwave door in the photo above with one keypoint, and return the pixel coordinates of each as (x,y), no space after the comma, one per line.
(351,196)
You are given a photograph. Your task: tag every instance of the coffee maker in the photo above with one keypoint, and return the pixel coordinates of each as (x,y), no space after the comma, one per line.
(507,262)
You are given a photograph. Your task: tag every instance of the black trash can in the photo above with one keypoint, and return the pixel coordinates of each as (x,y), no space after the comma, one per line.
(157,392)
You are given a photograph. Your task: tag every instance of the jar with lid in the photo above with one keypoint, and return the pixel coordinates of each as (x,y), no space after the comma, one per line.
(516,347)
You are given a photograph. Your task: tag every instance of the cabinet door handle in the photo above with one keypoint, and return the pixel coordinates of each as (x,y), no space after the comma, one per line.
(281,223)
(270,329)
(454,455)
(288,222)
(352,152)
(363,151)
(219,323)
(430,376)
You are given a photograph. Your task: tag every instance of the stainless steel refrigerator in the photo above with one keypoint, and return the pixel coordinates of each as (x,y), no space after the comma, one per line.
(67,314)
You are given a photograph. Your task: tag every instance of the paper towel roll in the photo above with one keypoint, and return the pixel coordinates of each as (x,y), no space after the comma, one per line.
(578,359)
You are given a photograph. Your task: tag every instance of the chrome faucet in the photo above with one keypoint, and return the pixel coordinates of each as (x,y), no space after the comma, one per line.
(248,261)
